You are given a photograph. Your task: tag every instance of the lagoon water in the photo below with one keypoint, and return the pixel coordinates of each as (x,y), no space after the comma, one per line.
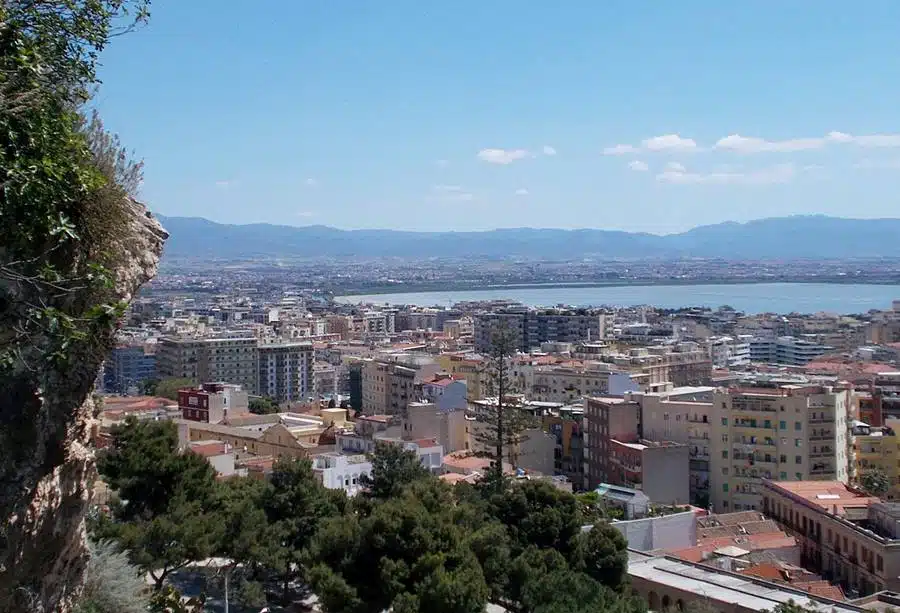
(749,297)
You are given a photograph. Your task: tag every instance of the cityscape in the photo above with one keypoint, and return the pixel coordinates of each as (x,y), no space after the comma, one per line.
(469,307)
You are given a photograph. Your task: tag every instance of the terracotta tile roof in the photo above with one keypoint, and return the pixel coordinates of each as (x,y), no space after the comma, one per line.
(209,448)
(827,495)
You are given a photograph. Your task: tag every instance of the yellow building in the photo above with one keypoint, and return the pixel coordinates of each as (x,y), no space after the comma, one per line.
(469,367)
(874,448)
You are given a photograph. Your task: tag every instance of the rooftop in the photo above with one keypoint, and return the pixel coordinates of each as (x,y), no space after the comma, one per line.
(830,496)
(722,586)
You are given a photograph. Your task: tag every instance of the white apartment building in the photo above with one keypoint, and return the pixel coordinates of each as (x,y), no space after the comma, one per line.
(786,433)
(787,350)
(338,471)
(728,351)
(568,384)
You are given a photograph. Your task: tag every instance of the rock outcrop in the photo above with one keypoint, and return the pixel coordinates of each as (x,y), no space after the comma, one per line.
(46,464)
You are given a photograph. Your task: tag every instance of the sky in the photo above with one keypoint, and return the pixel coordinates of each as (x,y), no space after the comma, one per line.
(470,114)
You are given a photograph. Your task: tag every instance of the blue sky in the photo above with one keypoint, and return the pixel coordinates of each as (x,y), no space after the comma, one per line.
(472,114)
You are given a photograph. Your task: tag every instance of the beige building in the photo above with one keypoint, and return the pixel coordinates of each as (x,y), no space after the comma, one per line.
(447,427)
(468,366)
(275,440)
(682,415)
(679,365)
(387,387)
(786,433)
(567,384)
(845,535)
(231,360)
(876,448)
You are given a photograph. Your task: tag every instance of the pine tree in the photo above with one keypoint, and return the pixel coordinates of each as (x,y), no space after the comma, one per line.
(502,422)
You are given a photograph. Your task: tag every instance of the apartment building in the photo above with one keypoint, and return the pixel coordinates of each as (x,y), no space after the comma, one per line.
(845,536)
(729,351)
(337,471)
(128,367)
(426,420)
(210,359)
(786,433)
(875,448)
(786,350)
(285,371)
(387,387)
(682,415)
(607,419)
(660,469)
(212,403)
(680,365)
(532,327)
(566,425)
(568,383)
(468,366)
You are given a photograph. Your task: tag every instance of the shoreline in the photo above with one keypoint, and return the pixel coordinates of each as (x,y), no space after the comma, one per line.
(381,290)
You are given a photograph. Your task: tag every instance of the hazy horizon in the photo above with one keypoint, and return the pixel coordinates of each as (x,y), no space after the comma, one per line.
(473,115)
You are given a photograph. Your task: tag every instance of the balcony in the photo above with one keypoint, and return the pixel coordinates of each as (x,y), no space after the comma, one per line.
(822,437)
(828,419)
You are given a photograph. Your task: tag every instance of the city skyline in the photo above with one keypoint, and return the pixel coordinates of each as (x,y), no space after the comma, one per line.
(474,117)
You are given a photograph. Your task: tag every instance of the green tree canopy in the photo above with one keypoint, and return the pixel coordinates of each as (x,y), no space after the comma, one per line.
(263,405)
(168,388)
(393,468)
(875,482)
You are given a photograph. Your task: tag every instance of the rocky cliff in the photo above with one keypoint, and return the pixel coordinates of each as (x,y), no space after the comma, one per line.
(46,464)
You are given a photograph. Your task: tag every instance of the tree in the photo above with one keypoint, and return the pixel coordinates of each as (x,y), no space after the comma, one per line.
(602,554)
(875,482)
(112,584)
(167,515)
(168,388)
(393,468)
(295,505)
(501,427)
(409,554)
(565,591)
(143,465)
(538,514)
(263,405)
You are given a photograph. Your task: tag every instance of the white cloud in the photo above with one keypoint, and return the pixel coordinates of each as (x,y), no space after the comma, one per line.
(306,214)
(668,142)
(675,166)
(878,140)
(311,182)
(638,166)
(781,173)
(548,150)
(521,192)
(442,163)
(751,144)
(225,183)
(501,156)
(619,150)
(839,137)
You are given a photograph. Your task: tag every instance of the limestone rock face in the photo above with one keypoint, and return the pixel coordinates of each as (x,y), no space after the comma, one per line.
(46,465)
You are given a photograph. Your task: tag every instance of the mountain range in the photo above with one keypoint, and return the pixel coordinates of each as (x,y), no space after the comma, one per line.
(796,237)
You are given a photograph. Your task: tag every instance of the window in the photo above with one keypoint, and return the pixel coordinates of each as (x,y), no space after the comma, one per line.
(724,421)
(783,459)
(798,459)
(880,563)
(798,442)
(724,487)
(798,425)
(782,425)
(724,470)
(783,476)
(798,476)
(725,454)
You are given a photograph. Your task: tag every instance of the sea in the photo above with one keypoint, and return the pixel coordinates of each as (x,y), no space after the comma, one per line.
(844,298)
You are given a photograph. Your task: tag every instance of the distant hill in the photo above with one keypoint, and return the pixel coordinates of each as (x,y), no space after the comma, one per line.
(814,237)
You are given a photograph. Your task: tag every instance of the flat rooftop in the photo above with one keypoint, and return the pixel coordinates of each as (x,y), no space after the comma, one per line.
(755,595)
(827,495)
